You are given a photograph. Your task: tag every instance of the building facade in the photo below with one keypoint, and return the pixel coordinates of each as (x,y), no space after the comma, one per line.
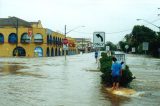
(83,45)
(21,38)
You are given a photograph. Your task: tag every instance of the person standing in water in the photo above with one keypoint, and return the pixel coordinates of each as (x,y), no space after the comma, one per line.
(116,73)
(96,55)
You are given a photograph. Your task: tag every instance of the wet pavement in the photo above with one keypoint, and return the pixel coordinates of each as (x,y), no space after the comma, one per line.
(74,82)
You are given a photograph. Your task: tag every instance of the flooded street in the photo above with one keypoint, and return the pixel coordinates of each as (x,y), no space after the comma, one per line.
(75,82)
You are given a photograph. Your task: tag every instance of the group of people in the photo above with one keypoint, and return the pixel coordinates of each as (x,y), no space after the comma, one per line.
(116,71)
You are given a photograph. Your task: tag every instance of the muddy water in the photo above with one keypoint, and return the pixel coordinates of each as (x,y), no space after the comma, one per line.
(147,82)
(75,82)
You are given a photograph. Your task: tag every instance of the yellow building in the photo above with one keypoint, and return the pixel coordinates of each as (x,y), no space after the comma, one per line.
(21,38)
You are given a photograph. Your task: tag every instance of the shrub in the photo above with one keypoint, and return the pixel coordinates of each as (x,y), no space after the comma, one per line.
(106,63)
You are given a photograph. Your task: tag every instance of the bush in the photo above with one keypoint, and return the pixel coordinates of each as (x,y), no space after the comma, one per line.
(106,63)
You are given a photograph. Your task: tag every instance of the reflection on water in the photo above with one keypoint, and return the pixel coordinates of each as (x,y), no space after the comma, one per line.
(115,100)
(13,68)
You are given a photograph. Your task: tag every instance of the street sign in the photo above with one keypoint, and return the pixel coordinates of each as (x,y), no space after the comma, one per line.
(126,46)
(107,48)
(30,32)
(65,41)
(98,39)
(120,56)
(133,49)
(145,45)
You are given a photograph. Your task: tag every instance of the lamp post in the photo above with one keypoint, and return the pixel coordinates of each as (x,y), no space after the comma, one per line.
(149,23)
(66,32)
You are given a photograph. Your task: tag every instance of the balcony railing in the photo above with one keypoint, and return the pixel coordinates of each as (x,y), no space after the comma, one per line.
(38,40)
(25,41)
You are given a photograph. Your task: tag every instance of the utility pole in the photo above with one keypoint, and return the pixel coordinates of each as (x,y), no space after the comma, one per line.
(66,44)
(65,33)
(16,26)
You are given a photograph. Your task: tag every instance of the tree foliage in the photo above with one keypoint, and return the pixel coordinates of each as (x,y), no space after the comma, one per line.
(142,34)
(139,35)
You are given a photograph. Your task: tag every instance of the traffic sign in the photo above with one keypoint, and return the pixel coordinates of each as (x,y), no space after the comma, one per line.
(107,48)
(126,46)
(65,41)
(133,49)
(99,39)
(145,45)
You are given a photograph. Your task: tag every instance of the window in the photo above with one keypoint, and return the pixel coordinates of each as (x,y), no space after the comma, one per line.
(1,38)
(25,38)
(38,38)
(12,38)
(19,51)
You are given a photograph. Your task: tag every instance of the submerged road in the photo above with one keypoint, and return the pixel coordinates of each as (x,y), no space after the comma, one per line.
(75,82)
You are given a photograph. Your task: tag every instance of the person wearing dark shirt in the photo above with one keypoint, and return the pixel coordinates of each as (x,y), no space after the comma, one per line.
(96,55)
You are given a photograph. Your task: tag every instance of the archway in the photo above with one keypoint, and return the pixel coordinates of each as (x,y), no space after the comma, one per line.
(48,52)
(19,51)
(52,52)
(38,52)
(56,52)
(59,53)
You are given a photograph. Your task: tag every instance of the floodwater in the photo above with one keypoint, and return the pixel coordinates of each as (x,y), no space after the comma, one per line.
(74,82)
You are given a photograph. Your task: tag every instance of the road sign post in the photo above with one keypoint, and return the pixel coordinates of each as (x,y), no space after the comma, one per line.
(65,46)
(98,39)
(133,49)
(145,46)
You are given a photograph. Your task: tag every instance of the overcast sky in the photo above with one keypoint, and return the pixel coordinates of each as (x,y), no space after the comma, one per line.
(115,17)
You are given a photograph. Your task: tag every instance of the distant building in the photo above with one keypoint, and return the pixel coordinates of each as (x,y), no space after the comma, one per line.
(83,45)
(21,38)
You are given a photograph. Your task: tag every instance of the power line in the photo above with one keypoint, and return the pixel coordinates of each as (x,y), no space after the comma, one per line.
(107,32)
(116,32)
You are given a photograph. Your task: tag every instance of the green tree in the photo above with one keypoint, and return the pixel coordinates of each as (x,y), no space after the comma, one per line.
(142,34)
(122,45)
